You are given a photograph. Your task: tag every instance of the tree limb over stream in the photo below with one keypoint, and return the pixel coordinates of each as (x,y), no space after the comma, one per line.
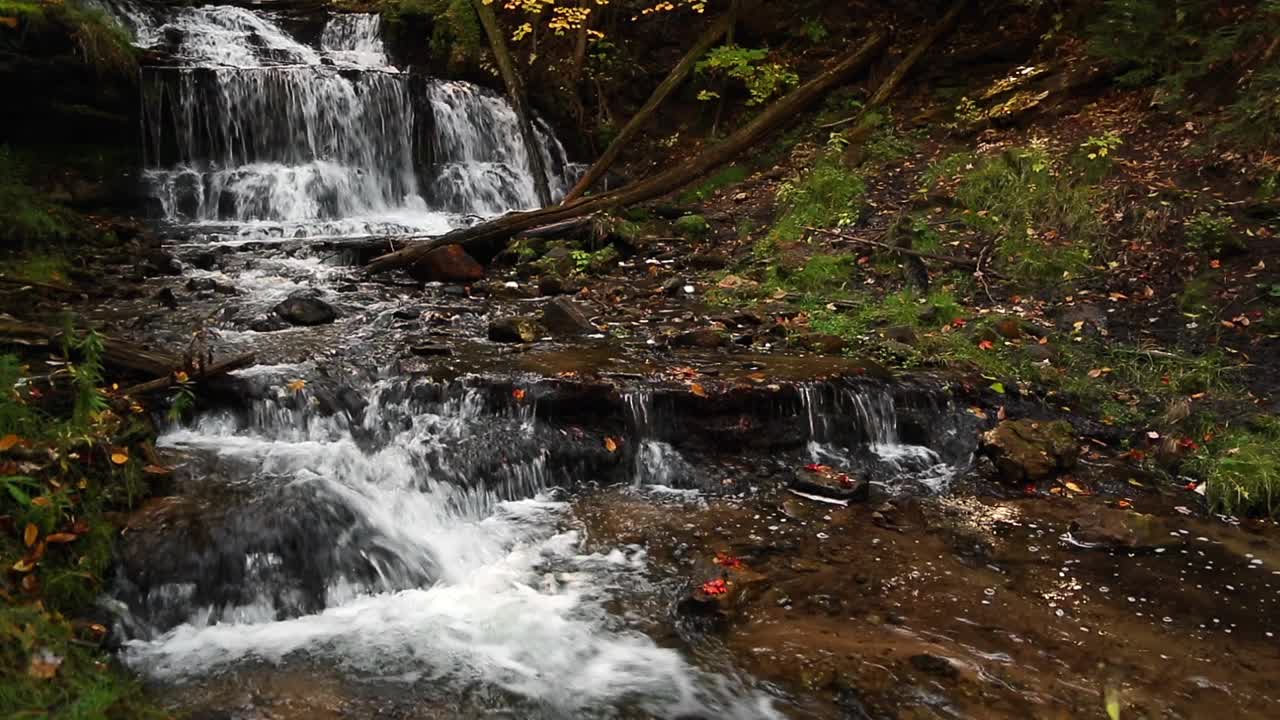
(500,230)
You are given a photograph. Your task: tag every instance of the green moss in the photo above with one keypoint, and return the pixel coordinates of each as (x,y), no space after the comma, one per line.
(99,39)
(692,225)
(722,178)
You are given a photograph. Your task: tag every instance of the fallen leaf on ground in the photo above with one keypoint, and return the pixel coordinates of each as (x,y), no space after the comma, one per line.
(61,538)
(29,534)
(610,444)
(297,386)
(698,390)
(715,587)
(120,457)
(44,665)
(8,441)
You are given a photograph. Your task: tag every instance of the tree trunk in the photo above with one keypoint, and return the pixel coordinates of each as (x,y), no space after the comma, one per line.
(784,111)
(519,102)
(857,135)
(660,93)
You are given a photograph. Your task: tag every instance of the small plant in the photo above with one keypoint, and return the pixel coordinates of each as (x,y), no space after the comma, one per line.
(183,398)
(815,30)
(967,113)
(86,374)
(762,79)
(1242,470)
(1212,234)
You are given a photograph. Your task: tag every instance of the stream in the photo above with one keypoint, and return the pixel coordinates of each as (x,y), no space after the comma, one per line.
(357,533)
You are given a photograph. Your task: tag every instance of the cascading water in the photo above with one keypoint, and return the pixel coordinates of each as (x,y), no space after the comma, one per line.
(399,530)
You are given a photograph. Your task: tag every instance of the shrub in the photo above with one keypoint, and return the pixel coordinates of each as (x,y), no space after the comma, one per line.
(1211,233)
(828,195)
(762,79)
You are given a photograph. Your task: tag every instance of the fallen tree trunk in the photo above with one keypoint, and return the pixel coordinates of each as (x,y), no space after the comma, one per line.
(171,379)
(116,354)
(519,101)
(780,113)
(857,136)
(660,93)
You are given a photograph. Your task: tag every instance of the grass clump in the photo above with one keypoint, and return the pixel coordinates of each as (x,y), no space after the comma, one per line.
(1044,221)
(26,217)
(97,38)
(828,195)
(1210,233)
(1242,469)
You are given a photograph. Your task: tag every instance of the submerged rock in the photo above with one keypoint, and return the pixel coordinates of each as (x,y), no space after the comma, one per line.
(304,307)
(701,338)
(1122,530)
(1029,450)
(447,264)
(828,482)
(514,330)
(564,317)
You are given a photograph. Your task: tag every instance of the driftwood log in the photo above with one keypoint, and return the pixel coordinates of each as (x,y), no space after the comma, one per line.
(485,236)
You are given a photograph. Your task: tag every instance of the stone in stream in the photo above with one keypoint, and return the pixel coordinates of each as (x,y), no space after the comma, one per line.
(159,262)
(427,349)
(700,338)
(450,264)
(514,330)
(563,317)
(268,323)
(825,481)
(723,592)
(1029,450)
(304,307)
(1111,529)
(167,298)
(821,343)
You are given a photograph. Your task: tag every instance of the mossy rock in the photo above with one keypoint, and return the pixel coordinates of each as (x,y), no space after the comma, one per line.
(1030,450)
(692,225)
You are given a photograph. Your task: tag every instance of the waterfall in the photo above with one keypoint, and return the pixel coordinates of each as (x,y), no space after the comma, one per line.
(253,126)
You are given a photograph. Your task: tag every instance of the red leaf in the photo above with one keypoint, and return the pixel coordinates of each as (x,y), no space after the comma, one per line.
(715,587)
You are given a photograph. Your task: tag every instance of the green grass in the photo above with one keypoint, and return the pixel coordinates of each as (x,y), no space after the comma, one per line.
(826,196)
(722,178)
(1045,221)
(1242,469)
(99,39)
(26,218)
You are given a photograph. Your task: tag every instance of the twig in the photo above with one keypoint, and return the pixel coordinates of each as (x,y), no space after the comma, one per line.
(962,262)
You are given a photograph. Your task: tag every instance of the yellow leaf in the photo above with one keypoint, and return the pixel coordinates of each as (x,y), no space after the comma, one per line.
(1135,483)
(30,534)
(57,538)
(24,565)
(297,386)
(8,441)
(120,457)
(610,444)
(1074,487)
(41,501)
(698,390)
(181,377)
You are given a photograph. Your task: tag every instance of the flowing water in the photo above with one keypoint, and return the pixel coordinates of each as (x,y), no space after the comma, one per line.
(396,529)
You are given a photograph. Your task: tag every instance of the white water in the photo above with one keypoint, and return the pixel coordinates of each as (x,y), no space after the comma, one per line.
(421,542)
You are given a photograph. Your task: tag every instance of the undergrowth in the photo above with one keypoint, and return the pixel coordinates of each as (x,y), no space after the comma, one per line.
(26,217)
(1044,221)
(1242,469)
(65,462)
(827,196)
(98,39)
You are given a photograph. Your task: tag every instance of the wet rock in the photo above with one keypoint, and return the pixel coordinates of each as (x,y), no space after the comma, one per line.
(563,317)
(821,343)
(304,307)
(740,320)
(555,285)
(269,323)
(700,338)
(447,264)
(1029,450)
(204,260)
(904,334)
(722,593)
(709,261)
(1108,528)
(826,481)
(934,665)
(407,313)
(514,330)
(209,285)
(167,298)
(425,349)
(160,262)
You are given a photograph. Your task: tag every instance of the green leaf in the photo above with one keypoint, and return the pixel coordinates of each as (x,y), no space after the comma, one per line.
(998,387)
(1113,703)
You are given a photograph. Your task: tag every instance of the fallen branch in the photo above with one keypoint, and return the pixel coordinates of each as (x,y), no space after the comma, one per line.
(974,265)
(660,93)
(783,111)
(171,379)
(43,286)
(116,354)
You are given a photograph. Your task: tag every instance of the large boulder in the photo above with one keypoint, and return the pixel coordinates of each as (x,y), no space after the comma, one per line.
(304,307)
(563,317)
(514,330)
(449,264)
(1030,450)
